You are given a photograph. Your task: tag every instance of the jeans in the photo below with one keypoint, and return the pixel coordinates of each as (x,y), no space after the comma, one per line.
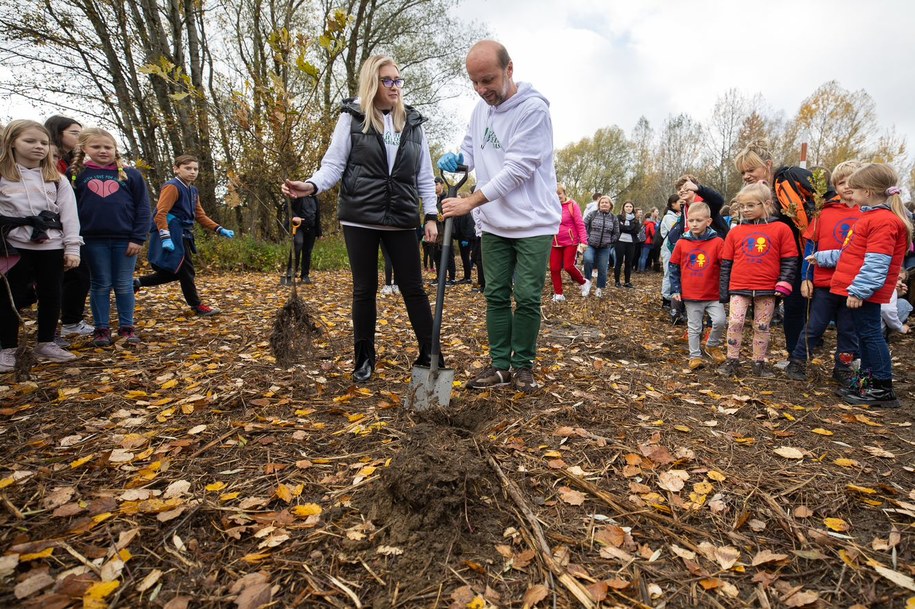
(643,257)
(599,256)
(362,249)
(110,267)
(824,308)
(513,334)
(45,268)
(695,312)
(875,354)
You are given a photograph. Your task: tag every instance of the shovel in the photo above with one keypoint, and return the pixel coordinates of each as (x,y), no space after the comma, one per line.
(431,385)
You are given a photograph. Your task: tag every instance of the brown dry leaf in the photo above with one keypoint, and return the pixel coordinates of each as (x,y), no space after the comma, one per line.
(534,595)
(571,496)
(598,591)
(149,581)
(879,452)
(57,497)
(801,599)
(672,481)
(178,602)
(523,559)
(255,596)
(33,584)
(903,581)
(802,511)
(726,556)
(766,556)
(611,535)
(682,553)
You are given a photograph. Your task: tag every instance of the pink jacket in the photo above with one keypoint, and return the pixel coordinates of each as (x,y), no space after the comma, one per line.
(572,228)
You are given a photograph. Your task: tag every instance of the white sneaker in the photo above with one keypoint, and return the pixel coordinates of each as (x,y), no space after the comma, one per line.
(586,288)
(559,298)
(387,290)
(80,327)
(395,289)
(598,293)
(7,359)
(51,351)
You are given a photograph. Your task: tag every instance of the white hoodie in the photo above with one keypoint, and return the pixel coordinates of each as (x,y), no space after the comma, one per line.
(30,196)
(511,148)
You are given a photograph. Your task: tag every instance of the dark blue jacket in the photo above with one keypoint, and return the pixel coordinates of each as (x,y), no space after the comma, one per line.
(110,208)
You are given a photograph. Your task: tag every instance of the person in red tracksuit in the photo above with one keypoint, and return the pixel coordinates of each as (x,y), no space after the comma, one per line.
(825,234)
(759,262)
(866,273)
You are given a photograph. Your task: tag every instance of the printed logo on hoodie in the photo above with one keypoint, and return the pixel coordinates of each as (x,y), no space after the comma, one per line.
(489,137)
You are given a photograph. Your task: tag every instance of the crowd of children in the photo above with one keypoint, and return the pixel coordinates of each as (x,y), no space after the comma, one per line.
(68,204)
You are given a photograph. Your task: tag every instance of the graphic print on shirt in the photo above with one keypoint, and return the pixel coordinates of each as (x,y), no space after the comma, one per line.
(489,137)
(103,188)
(756,246)
(391,138)
(843,228)
(697,262)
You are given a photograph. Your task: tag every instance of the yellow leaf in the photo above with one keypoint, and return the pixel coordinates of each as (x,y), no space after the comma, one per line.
(46,553)
(321,461)
(125,555)
(307,509)
(477,603)
(552,454)
(848,560)
(842,462)
(101,517)
(367,471)
(215,486)
(682,428)
(703,488)
(352,418)
(254,558)
(82,461)
(836,524)
(132,395)
(94,598)
(822,432)
(861,489)
(6,482)
(169,384)
(228,496)
(716,476)
(910,603)
(283,492)
(304,412)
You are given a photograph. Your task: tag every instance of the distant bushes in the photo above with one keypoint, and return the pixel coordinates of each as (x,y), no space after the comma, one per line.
(245,253)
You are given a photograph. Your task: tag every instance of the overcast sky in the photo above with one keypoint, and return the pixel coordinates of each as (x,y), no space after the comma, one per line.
(605,62)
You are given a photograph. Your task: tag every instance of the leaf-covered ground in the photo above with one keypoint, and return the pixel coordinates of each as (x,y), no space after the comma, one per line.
(193,472)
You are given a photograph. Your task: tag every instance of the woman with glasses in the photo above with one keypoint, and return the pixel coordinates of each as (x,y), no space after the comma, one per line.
(380,155)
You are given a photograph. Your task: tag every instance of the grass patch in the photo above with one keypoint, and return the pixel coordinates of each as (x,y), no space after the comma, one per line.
(245,253)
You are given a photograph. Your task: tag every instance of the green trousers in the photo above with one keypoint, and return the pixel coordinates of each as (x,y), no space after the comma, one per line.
(514,266)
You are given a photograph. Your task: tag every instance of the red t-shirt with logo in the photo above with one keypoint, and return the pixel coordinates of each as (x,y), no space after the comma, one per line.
(828,232)
(700,267)
(757,251)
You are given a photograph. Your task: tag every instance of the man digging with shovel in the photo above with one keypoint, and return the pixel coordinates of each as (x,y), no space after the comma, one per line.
(510,144)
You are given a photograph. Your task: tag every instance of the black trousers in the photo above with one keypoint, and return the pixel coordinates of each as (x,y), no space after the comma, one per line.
(362,249)
(43,269)
(795,313)
(477,255)
(625,253)
(452,268)
(302,244)
(75,291)
(466,258)
(185,276)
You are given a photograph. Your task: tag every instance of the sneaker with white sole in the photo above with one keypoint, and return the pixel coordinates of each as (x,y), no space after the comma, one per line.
(8,359)
(491,377)
(80,327)
(586,288)
(52,352)
(598,293)
(387,290)
(559,298)
(395,289)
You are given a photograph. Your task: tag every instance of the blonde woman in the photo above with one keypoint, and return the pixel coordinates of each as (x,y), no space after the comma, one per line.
(380,155)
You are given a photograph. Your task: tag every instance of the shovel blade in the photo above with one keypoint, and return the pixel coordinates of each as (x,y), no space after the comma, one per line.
(430,389)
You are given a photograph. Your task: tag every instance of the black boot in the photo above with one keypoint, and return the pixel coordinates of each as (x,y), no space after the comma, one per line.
(880,394)
(797,370)
(842,375)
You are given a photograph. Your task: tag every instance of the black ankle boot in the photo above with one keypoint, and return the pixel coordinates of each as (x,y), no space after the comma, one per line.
(879,394)
(363,371)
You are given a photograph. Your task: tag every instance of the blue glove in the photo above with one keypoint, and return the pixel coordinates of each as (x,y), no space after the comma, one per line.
(224,232)
(465,243)
(168,245)
(450,161)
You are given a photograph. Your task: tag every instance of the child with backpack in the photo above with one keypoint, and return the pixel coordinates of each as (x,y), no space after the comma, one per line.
(172,239)
(759,261)
(39,237)
(866,273)
(114,218)
(695,273)
(825,235)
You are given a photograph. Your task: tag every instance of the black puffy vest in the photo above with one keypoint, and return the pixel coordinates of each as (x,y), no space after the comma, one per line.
(368,194)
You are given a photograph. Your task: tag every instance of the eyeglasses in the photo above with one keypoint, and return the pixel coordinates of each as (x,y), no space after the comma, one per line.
(392,82)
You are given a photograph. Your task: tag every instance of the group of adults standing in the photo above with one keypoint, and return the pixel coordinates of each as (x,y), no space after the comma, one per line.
(380,155)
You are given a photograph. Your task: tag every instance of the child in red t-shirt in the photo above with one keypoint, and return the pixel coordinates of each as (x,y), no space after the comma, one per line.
(759,262)
(695,270)
(866,272)
(825,235)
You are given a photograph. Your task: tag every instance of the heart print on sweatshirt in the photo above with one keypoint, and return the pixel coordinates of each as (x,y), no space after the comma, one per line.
(103,188)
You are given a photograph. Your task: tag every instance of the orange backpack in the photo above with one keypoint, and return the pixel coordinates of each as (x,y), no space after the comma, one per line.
(795,193)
